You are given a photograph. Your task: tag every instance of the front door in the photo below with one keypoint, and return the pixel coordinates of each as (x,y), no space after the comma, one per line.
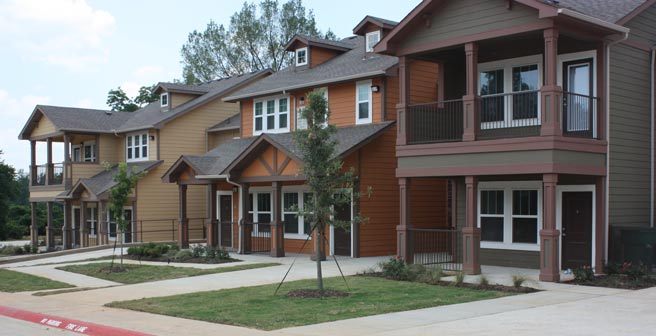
(578,111)
(342,236)
(225,220)
(76,226)
(576,229)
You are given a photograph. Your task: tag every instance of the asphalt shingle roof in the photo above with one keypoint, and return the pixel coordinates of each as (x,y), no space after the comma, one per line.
(104,180)
(607,10)
(217,160)
(350,65)
(70,118)
(231,123)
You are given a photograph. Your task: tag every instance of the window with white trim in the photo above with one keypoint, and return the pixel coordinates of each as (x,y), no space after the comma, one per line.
(363,102)
(85,152)
(91,215)
(136,147)
(292,201)
(302,56)
(372,38)
(271,115)
(260,209)
(112,226)
(509,214)
(301,122)
(164,99)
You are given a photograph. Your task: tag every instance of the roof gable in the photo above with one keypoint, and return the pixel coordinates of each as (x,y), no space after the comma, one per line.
(369,20)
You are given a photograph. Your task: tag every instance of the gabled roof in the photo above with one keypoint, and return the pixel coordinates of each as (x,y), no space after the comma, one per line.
(231,123)
(222,159)
(150,116)
(382,23)
(318,42)
(608,10)
(103,181)
(351,65)
(181,88)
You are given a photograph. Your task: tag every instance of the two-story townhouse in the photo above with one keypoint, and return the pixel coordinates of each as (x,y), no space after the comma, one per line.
(257,180)
(149,140)
(543,124)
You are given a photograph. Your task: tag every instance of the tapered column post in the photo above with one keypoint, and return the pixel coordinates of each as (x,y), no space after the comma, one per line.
(401,107)
(67,180)
(277,229)
(49,166)
(103,224)
(183,222)
(552,94)
(549,235)
(245,225)
(471,234)
(33,169)
(404,243)
(213,225)
(84,230)
(34,227)
(67,233)
(600,223)
(471,100)
(50,228)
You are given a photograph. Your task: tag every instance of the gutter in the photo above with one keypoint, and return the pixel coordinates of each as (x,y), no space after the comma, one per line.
(305,85)
(651,106)
(593,20)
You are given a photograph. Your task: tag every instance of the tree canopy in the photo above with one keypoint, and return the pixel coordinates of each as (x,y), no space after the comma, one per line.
(118,100)
(254,40)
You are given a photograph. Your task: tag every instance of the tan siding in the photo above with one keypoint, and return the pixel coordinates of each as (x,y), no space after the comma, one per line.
(108,149)
(43,127)
(83,170)
(216,138)
(177,99)
(247,118)
(152,145)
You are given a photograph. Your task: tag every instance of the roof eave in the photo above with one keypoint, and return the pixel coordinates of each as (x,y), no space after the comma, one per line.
(589,19)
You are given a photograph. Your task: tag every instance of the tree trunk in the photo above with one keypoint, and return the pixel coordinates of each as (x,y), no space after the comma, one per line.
(317,248)
(121,237)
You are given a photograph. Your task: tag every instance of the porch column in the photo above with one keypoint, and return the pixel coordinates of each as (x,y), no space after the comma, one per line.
(84,234)
(245,226)
(50,228)
(551,93)
(471,100)
(34,227)
(103,225)
(549,235)
(401,107)
(67,233)
(212,223)
(67,162)
(32,162)
(183,222)
(49,167)
(471,234)
(277,229)
(600,228)
(404,246)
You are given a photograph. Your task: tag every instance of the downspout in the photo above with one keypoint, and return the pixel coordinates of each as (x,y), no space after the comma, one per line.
(651,106)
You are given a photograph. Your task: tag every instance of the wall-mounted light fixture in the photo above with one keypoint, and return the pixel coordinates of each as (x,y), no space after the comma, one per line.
(375,88)
(152,138)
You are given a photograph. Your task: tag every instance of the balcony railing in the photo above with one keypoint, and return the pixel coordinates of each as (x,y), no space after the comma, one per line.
(57,174)
(507,115)
(435,122)
(579,115)
(39,175)
(44,174)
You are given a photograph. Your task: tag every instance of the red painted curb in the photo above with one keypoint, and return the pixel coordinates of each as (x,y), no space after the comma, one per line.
(81,327)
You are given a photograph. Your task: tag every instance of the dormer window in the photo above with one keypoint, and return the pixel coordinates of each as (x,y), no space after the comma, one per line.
(372,39)
(301,56)
(164,99)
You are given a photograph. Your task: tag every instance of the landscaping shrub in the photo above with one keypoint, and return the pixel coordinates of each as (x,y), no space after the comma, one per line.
(150,250)
(10,250)
(431,275)
(395,268)
(518,280)
(182,255)
(483,281)
(584,273)
(460,279)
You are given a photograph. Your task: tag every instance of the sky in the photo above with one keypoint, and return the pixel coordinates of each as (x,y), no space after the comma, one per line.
(71,52)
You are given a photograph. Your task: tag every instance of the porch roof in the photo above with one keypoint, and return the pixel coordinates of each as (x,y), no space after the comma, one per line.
(103,181)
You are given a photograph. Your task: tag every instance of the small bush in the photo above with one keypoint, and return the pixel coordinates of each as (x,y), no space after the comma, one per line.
(198,251)
(395,268)
(10,250)
(483,281)
(431,275)
(584,273)
(518,280)
(150,250)
(182,255)
(460,279)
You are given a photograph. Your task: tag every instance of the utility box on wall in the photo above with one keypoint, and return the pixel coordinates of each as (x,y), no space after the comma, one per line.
(632,244)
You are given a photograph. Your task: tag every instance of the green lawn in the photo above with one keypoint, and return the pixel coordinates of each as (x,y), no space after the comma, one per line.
(257,307)
(145,273)
(12,281)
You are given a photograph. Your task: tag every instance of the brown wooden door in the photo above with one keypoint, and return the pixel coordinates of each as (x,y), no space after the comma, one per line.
(225,220)
(577,229)
(342,236)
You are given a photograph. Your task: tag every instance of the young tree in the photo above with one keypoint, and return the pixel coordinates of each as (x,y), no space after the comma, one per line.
(126,181)
(118,100)
(254,40)
(329,184)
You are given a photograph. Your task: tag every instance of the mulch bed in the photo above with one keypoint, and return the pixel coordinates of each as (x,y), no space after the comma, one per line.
(617,281)
(190,260)
(491,287)
(316,294)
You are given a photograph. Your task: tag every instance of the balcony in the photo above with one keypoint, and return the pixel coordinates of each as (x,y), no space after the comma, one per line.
(506,115)
(44,175)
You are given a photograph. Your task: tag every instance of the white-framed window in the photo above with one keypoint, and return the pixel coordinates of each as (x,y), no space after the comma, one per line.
(363,104)
(292,199)
(510,215)
(112,226)
(301,122)
(260,209)
(91,217)
(271,115)
(372,38)
(509,91)
(164,99)
(85,152)
(302,56)
(136,147)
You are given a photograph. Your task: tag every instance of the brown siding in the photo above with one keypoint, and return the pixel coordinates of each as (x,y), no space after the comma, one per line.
(320,55)
(423,82)
(247,118)
(510,258)
(214,139)
(428,203)
(392,97)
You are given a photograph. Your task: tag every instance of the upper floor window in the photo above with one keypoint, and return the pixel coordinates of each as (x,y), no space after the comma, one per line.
(164,99)
(85,152)
(302,56)
(363,102)
(372,38)
(136,147)
(271,115)
(301,122)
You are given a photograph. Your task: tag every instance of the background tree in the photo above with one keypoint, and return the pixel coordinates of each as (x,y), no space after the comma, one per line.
(118,100)
(254,40)
(331,187)
(126,181)
(7,192)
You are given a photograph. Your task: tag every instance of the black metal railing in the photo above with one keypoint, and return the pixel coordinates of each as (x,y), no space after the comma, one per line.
(57,173)
(257,237)
(435,122)
(39,175)
(579,115)
(514,114)
(441,247)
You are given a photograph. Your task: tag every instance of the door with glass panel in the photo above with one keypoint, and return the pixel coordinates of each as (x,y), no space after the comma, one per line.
(578,100)
(225,219)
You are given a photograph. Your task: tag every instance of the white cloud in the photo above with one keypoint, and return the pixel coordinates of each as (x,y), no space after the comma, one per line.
(68,33)
(131,88)
(148,71)
(84,103)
